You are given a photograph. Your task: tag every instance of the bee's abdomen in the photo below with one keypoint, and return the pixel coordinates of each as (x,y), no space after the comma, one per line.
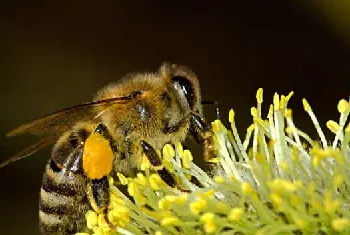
(63,201)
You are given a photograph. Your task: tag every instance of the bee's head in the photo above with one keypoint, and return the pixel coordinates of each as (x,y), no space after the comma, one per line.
(185,86)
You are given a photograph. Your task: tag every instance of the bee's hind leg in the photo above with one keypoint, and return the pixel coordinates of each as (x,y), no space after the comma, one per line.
(98,190)
(99,197)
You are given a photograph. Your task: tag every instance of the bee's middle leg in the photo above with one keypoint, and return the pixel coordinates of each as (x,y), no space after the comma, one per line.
(155,160)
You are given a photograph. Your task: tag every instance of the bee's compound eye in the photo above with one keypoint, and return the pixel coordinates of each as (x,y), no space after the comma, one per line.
(183,85)
(97,156)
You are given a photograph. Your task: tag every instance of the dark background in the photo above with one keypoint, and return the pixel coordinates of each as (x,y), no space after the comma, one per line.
(55,55)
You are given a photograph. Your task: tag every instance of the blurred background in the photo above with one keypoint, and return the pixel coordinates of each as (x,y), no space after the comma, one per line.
(56,54)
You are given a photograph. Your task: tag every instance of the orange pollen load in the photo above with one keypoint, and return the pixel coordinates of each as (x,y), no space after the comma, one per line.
(97,156)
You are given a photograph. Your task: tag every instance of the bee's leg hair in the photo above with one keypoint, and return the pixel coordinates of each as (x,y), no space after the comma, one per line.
(99,196)
(203,134)
(103,130)
(154,159)
(98,189)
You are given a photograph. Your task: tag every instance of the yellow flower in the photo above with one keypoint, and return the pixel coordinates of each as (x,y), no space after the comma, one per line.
(276,179)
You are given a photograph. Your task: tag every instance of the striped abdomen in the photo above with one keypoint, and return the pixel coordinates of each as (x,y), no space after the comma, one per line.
(63,199)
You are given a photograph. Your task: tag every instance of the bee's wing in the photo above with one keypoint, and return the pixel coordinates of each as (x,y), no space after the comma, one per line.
(56,123)
(30,150)
(63,120)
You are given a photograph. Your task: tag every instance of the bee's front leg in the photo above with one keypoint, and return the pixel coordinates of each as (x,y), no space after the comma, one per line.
(203,134)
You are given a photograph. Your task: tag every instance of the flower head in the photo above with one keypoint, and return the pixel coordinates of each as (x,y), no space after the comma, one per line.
(275,180)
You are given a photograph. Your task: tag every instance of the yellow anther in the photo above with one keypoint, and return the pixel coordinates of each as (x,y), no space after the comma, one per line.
(259,95)
(123,180)
(163,204)
(158,233)
(288,130)
(145,164)
(235,214)
(98,231)
(120,210)
(276,101)
(247,188)
(289,95)
(301,223)
(176,199)
(316,160)
(134,191)
(208,219)
(288,113)
(219,179)
(208,216)
(306,105)
(339,224)
(102,223)
(333,126)
(298,184)
(197,206)
(171,220)
(141,179)
(343,105)
(254,112)
(116,202)
(187,159)
(231,116)
(276,199)
(168,152)
(110,181)
(216,126)
(155,182)
(331,206)
(282,102)
(208,194)
(91,218)
(132,188)
(281,185)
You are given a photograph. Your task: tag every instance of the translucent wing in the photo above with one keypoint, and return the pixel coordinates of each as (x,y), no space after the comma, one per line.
(56,123)
(30,150)
(63,120)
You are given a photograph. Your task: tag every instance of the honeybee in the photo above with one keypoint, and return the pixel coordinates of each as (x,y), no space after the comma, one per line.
(135,116)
